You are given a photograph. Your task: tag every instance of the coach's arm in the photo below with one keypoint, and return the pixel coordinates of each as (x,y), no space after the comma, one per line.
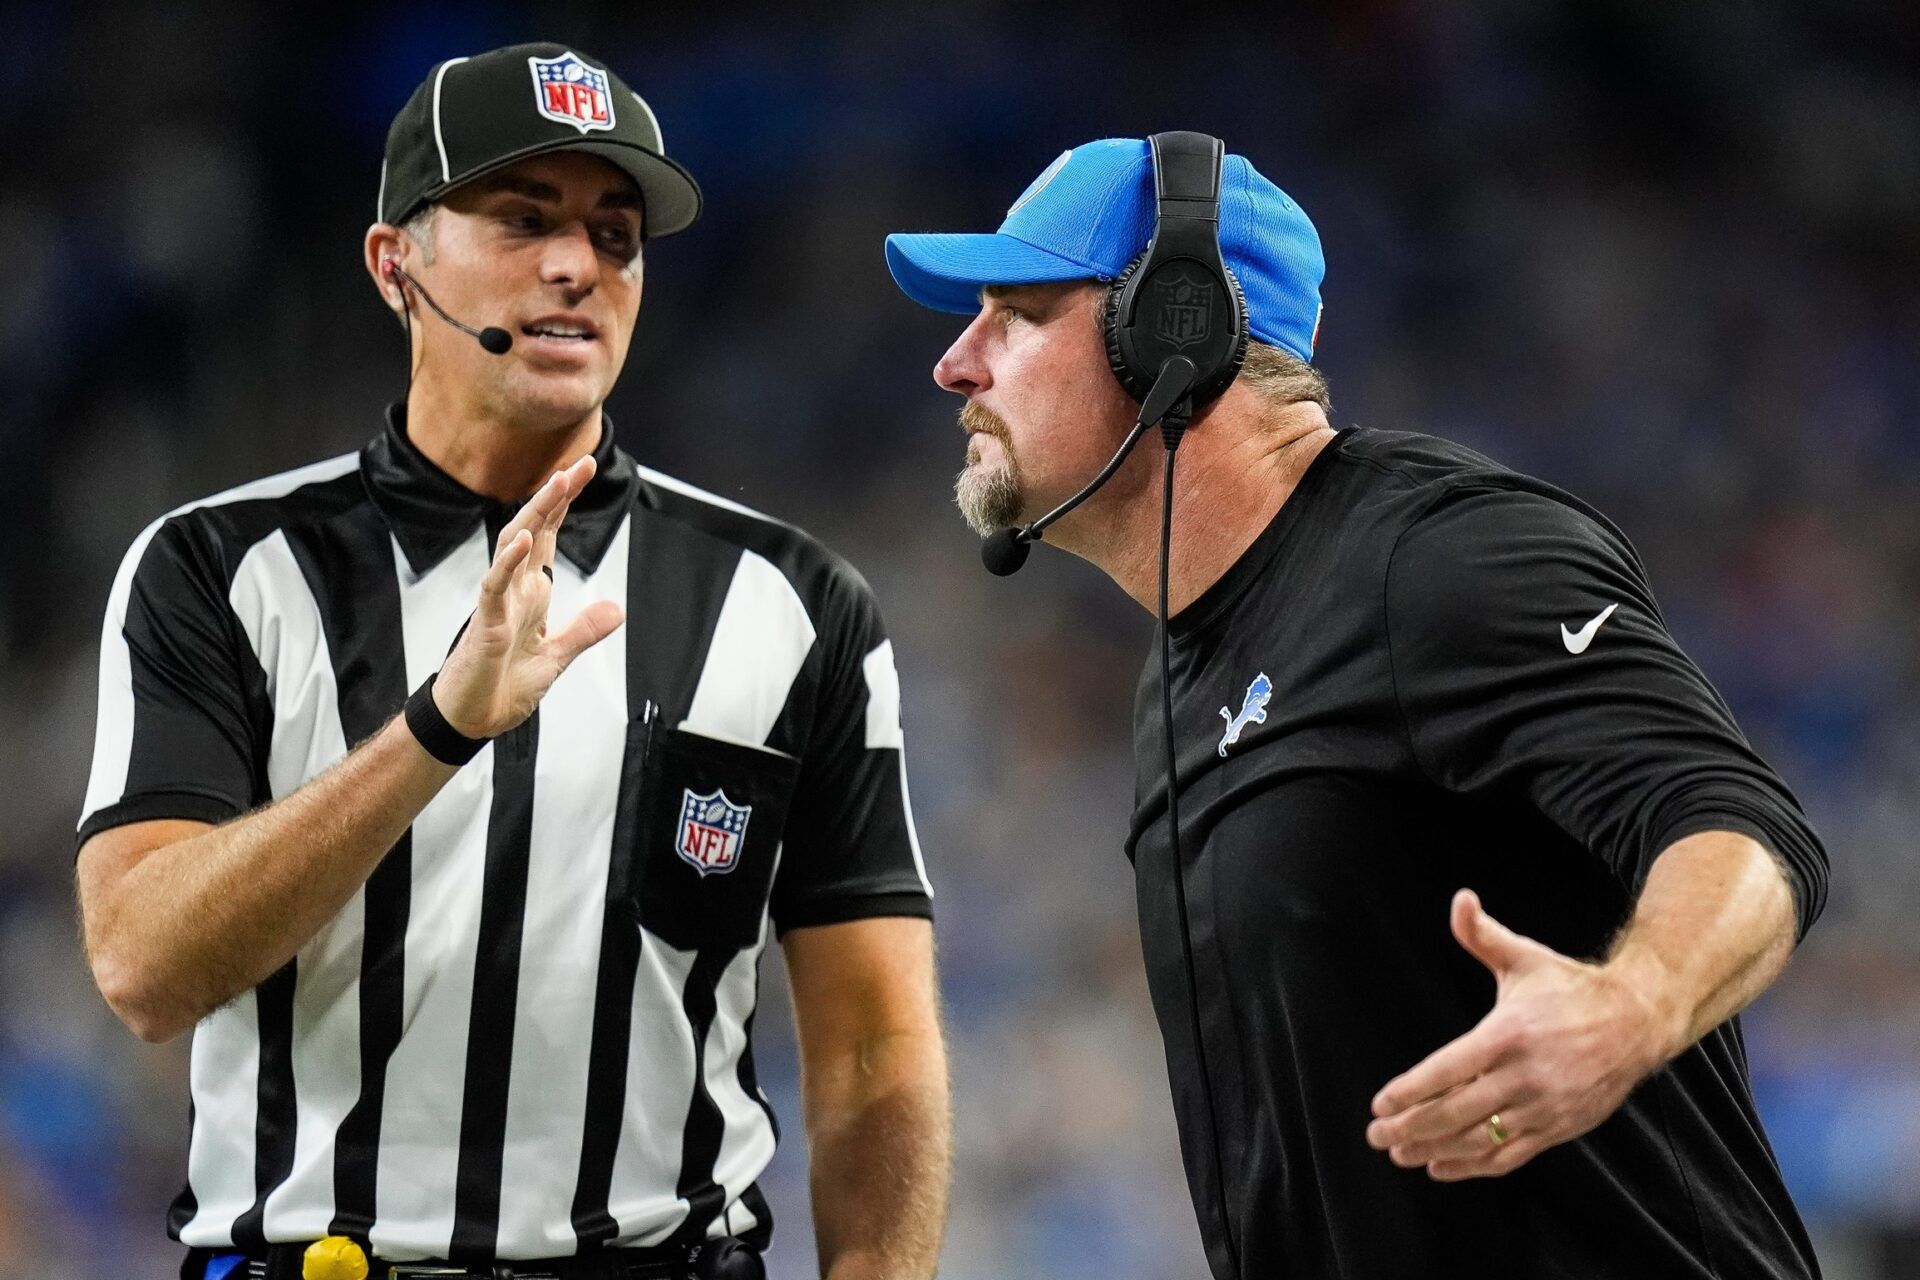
(1619,742)
(1568,1039)
(179,917)
(874,1080)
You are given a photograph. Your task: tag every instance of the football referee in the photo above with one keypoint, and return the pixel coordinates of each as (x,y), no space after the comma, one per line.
(460,884)
(1477,867)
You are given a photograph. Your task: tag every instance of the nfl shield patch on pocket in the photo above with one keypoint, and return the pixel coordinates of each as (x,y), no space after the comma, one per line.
(712,829)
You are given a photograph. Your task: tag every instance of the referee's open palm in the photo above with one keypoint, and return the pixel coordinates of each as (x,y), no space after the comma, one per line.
(507,658)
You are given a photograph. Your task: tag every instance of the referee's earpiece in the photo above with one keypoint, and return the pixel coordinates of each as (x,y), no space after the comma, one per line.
(1178,298)
(493,339)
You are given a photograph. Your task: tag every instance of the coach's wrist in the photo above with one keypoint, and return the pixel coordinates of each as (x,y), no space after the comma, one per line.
(1655,1022)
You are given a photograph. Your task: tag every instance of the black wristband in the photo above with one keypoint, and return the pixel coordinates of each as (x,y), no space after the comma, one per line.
(441,740)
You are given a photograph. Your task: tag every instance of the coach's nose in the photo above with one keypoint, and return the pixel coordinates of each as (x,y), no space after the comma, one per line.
(963,370)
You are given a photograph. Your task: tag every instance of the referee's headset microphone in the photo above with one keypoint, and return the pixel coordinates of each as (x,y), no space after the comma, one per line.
(495,339)
(1176,330)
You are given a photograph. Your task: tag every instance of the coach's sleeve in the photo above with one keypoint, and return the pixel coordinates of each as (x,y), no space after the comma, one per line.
(177,734)
(1529,657)
(850,850)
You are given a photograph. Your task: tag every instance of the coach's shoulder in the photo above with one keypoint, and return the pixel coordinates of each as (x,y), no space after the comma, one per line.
(1414,456)
(1507,556)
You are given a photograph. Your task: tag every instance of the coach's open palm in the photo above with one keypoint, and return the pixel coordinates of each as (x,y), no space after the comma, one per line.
(507,659)
(1563,1045)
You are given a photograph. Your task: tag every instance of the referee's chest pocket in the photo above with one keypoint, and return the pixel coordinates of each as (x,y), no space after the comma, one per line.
(709,813)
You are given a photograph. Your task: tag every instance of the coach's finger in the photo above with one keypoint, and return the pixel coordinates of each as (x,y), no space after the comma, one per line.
(1448,1114)
(1499,1161)
(1472,1140)
(1446,1068)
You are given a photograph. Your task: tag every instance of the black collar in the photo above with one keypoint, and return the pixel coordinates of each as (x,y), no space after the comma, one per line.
(431,513)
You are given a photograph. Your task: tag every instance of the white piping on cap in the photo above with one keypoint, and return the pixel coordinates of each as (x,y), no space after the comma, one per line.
(380,199)
(652,119)
(438,140)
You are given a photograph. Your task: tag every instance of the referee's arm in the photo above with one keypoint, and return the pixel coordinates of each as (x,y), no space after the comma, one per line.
(874,1084)
(179,915)
(852,905)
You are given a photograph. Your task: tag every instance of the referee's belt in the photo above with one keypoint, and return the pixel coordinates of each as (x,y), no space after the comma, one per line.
(723,1259)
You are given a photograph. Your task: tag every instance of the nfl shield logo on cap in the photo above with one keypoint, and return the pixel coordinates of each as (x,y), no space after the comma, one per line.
(568,91)
(711,829)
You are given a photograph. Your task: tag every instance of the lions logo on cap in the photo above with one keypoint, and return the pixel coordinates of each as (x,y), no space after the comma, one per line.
(1039,184)
(568,91)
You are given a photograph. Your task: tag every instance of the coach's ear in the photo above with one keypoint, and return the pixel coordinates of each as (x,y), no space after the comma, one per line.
(386,243)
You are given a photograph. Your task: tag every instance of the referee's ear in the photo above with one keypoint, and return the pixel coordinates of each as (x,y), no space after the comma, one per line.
(386,242)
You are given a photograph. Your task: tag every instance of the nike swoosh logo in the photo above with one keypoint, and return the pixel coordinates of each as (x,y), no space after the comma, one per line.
(1577,641)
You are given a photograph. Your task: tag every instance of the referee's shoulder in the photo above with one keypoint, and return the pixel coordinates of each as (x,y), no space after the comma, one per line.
(223,526)
(822,578)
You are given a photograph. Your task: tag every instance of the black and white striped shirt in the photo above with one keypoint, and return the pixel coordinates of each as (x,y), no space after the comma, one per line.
(527,1034)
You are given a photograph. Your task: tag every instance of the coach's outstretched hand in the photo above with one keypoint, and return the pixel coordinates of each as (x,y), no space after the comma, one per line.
(507,659)
(1564,1044)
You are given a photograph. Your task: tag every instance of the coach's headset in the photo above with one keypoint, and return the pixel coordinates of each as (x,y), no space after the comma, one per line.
(1176,330)
(1175,320)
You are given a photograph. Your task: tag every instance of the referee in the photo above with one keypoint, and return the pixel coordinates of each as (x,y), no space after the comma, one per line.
(472,984)
(1477,867)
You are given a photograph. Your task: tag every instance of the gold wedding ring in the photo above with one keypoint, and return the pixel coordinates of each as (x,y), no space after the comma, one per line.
(1495,1129)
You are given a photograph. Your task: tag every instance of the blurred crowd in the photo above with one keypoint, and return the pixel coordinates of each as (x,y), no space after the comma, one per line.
(1665,256)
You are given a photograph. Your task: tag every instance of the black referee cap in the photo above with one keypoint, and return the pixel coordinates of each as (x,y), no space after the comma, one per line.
(473,115)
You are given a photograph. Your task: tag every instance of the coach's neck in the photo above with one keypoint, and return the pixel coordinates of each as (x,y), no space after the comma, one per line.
(1239,463)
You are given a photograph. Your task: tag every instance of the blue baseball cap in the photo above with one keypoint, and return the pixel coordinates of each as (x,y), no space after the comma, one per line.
(1090,213)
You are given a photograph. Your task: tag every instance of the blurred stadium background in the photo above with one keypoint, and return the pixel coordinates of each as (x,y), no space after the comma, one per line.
(1663,255)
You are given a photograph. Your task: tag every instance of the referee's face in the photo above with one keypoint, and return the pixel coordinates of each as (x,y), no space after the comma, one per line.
(1043,411)
(548,249)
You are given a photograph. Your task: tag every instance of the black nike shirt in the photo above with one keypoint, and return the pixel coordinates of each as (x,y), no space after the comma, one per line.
(1430,672)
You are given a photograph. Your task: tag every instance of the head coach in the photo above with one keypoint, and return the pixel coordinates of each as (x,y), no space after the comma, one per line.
(464,910)
(1466,868)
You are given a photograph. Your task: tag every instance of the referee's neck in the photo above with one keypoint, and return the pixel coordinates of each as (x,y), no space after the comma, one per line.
(491,453)
(1237,466)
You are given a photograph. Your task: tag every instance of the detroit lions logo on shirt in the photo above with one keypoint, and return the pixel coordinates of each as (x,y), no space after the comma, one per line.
(1252,711)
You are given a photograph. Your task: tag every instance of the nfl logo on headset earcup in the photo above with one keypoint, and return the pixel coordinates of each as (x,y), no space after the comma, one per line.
(1179,298)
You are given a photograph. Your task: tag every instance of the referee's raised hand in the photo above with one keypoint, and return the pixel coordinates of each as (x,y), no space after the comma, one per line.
(507,658)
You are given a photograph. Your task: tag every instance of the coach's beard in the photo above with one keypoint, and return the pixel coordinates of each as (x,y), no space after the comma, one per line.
(988,496)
